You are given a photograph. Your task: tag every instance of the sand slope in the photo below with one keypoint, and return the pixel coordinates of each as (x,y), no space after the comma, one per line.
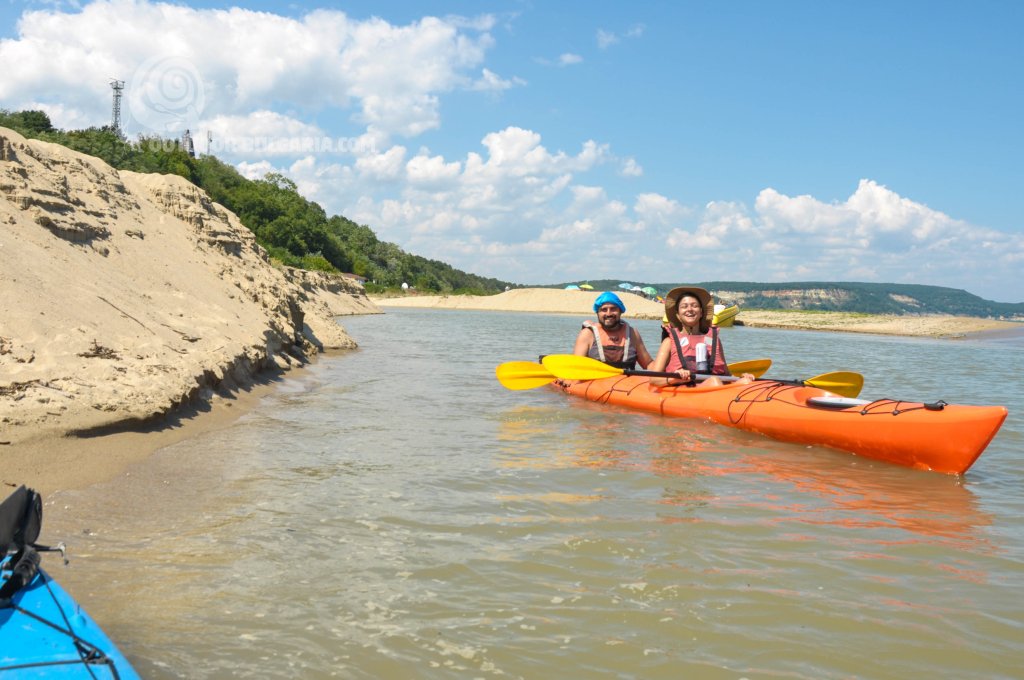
(124,295)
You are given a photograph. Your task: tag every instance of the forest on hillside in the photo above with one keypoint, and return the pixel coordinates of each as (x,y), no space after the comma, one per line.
(295,231)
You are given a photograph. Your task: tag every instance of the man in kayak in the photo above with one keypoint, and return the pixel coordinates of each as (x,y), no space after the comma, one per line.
(692,344)
(611,340)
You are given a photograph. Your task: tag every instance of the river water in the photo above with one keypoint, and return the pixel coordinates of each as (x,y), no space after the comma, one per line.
(393,512)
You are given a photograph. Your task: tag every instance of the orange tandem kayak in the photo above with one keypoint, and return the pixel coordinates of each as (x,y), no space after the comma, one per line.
(939,436)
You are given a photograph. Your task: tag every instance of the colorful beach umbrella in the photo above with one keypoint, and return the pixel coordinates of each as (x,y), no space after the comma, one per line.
(625,286)
(586,286)
(650,290)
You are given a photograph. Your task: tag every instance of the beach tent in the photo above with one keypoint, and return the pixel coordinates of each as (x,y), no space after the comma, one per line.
(572,286)
(586,286)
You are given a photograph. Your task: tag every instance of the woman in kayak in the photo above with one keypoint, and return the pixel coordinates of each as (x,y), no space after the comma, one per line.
(692,345)
(611,340)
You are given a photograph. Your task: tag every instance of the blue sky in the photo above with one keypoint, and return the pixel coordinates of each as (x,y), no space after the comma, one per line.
(557,141)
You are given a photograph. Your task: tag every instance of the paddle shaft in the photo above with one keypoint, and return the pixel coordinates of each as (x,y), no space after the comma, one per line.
(668,374)
(698,377)
(572,367)
(762,365)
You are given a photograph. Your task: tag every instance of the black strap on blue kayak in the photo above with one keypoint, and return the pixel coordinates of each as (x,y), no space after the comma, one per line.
(88,653)
(23,567)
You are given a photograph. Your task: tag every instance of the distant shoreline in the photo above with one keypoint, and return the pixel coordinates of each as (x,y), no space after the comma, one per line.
(554,301)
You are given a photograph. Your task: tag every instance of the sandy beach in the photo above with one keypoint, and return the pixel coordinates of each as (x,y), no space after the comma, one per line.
(554,301)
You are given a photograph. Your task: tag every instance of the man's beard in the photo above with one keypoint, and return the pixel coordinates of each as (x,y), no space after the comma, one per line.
(610,324)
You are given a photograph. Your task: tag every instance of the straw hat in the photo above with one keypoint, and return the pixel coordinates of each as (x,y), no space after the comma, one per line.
(672,305)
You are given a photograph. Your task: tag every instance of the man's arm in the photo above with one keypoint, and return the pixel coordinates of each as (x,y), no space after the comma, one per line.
(583,342)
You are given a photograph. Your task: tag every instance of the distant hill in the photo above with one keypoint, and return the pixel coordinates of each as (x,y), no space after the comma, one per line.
(844,296)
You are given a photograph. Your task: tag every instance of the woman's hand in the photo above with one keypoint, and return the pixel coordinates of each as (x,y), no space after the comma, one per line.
(684,377)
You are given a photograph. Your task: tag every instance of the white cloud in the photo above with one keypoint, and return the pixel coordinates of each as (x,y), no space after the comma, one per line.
(509,194)
(513,209)
(659,210)
(383,166)
(492,82)
(260,133)
(872,216)
(630,168)
(182,64)
(431,170)
(605,38)
(523,212)
(636,31)
(584,196)
(255,170)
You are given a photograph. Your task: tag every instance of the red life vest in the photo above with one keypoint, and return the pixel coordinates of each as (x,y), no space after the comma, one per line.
(604,349)
(687,344)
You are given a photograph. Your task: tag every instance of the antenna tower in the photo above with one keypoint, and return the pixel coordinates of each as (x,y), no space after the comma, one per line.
(115,116)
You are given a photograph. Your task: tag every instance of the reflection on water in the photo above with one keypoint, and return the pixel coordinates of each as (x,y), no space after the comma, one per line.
(410,518)
(936,507)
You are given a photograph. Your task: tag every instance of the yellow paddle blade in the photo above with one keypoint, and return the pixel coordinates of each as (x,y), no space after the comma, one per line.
(843,383)
(755,367)
(523,375)
(572,367)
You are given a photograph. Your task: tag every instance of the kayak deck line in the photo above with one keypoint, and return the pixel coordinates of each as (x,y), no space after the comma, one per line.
(872,406)
(926,436)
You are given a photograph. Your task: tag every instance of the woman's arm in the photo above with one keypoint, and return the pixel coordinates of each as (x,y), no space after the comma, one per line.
(661,361)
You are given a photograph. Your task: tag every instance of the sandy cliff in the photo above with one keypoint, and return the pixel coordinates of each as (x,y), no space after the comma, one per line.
(124,295)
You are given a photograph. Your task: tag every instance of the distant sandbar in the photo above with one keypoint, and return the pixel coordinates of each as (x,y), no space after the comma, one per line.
(555,301)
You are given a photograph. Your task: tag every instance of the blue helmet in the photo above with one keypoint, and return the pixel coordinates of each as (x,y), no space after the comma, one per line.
(605,298)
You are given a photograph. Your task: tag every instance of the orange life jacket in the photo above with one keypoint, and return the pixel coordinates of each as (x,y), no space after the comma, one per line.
(604,349)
